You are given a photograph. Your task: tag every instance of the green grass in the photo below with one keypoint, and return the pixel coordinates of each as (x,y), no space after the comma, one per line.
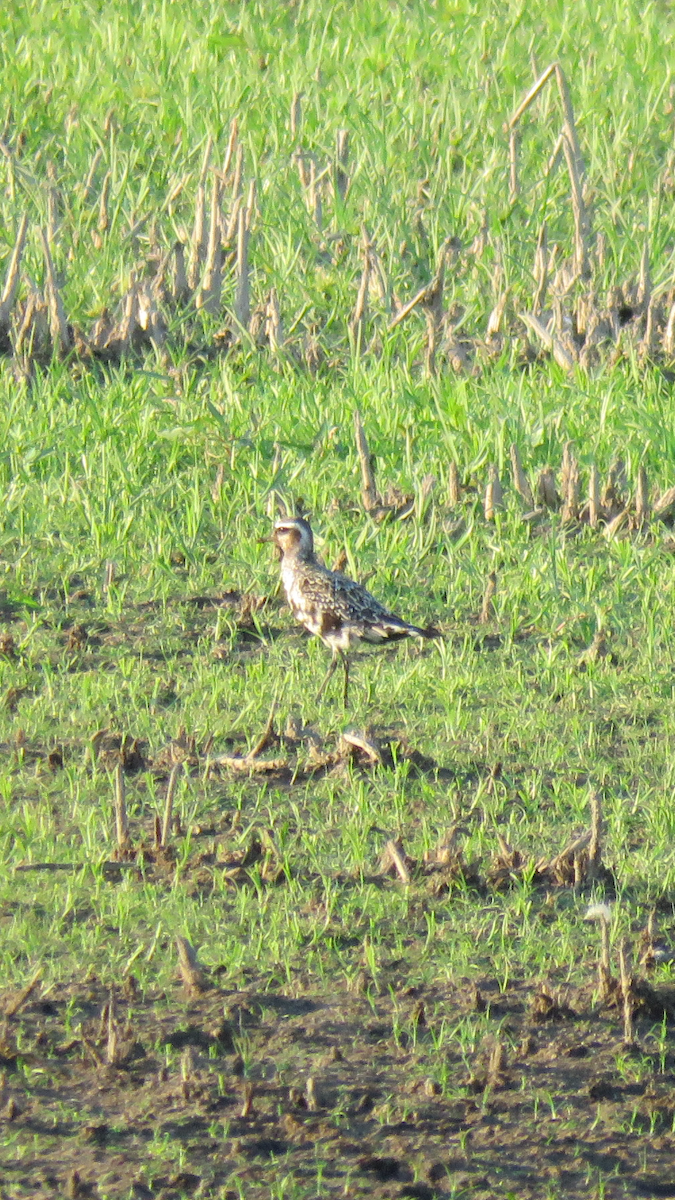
(416,111)
(119,467)
(143,501)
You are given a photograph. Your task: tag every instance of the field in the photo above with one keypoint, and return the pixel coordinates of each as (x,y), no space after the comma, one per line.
(254,945)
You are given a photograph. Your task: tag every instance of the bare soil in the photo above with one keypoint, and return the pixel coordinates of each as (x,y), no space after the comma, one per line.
(339,1092)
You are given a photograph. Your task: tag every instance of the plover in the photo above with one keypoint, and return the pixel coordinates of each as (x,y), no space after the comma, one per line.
(329,604)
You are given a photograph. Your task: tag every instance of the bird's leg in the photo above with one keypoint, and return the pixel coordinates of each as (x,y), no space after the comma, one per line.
(329,674)
(345,663)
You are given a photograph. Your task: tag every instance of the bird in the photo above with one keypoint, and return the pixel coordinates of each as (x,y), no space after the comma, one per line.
(329,604)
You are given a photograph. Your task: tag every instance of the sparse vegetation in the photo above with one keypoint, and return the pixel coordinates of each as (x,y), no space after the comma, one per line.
(251,947)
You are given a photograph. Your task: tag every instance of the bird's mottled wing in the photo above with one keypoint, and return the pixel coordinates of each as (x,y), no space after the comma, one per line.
(364,614)
(354,603)
(328,603)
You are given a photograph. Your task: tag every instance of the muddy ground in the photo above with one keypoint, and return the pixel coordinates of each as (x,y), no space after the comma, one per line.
(383,1088)
(224,1093)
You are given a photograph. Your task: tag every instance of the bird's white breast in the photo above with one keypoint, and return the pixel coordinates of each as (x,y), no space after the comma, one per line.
(300,604)
(292,588)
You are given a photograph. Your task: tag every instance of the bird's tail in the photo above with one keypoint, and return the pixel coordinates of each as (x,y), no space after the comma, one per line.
(430,631)
(390,629)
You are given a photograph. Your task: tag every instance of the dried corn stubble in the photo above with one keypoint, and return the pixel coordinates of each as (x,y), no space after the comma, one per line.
(211,233)
(458,354)
(191,971)
(520,480)
(494,494)
(570,485)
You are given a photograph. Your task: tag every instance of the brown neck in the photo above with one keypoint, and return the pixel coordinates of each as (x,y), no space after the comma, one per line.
(300,552)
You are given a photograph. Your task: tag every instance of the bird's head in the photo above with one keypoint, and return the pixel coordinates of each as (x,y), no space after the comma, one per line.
(293,535)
